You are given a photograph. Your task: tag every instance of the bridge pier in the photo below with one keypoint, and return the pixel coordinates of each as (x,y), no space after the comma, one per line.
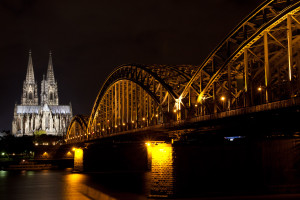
(111,157)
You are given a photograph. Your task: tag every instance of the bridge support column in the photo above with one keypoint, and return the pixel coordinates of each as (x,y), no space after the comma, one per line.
(229,87)
(214,91)
(246,77)
(290,52)
(161,163)
(78,160)
(267,67)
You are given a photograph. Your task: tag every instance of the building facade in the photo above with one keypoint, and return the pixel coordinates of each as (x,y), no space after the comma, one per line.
(32,117)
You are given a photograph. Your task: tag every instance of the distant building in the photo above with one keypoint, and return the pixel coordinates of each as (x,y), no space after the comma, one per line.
(47,117)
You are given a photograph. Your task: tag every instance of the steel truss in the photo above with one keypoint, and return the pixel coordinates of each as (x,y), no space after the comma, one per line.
(257,63)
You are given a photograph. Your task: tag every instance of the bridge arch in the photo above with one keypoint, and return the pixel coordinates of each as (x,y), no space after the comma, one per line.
(258,62)
(135,96)
(77,128)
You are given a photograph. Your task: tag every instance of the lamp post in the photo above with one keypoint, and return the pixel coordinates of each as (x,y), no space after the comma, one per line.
(260,89)
(223,100)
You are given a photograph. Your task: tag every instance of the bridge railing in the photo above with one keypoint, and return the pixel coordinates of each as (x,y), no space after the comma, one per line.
(247,110)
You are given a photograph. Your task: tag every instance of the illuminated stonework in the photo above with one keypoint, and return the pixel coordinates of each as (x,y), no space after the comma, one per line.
(49,117)
(162,178)
(78,160)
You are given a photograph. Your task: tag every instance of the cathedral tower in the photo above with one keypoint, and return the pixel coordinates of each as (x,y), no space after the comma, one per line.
(49,94)
(29,96)
(48,117)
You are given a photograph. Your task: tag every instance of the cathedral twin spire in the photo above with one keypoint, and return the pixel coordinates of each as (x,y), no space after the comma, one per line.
(49,92)
(50,72)
(30,73)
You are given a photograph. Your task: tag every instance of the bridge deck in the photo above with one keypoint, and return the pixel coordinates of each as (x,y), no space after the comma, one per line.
(186,123)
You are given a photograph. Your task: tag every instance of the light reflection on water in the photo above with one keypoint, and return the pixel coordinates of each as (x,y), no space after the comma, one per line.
(47,184)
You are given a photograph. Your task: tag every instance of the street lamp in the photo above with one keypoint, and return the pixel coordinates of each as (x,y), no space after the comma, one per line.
(259,88)
(223,100)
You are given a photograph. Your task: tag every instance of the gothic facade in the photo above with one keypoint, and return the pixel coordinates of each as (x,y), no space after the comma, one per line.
(47,116)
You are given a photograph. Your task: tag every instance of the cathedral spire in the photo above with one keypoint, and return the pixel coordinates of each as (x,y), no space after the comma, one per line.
(50,72)
(30,73)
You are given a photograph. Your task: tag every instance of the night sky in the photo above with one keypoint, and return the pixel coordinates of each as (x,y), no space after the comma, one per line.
(88,39)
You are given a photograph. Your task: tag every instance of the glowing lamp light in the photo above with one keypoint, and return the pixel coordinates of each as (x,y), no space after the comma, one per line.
(174,110)
(222,98)
(73,149)
(144,119)
(156,115)
(103,129)
(116,126)
(259,89)
(2,153)
(147,143)
(196,105)
(132,121)
(123,124)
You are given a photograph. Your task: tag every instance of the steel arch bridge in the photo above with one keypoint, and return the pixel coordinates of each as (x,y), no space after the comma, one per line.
(77,127)
(257,63)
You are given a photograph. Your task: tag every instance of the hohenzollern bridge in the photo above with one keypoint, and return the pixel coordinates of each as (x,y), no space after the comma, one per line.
(256,68)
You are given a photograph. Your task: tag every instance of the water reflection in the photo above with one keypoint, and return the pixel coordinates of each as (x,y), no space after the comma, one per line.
(160,156)
(72,186)
(48,184)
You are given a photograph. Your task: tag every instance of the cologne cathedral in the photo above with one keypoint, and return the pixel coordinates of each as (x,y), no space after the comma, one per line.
(31,117)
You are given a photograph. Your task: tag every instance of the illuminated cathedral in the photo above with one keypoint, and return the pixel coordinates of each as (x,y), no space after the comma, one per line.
(32,117)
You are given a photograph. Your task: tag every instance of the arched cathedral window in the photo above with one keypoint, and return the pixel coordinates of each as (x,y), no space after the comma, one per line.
(30,96)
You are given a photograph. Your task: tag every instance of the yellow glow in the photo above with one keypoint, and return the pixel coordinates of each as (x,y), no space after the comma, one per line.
(103,129)
(222,98)
(196,105)
(78,160)
(116,126)
(69,153)
(132,121)
(156,115)
(144,119)
(148,144)
(174,110)
(45,154)
(73,149)
(259,89)
(161,156)
(123,124)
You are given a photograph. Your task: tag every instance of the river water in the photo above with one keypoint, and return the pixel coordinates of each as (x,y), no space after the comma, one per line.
(63,184)
(231,170)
